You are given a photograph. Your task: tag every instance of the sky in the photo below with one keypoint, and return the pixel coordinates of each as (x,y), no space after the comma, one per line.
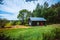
(10,9)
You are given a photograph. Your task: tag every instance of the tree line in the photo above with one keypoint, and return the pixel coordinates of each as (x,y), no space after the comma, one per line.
(51,14)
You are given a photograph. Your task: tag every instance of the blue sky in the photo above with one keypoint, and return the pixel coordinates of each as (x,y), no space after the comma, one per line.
(10,8)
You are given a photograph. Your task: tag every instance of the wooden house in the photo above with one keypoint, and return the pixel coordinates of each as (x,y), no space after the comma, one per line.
(36,21)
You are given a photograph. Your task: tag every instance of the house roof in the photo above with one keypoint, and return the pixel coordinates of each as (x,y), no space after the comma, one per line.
(37,19)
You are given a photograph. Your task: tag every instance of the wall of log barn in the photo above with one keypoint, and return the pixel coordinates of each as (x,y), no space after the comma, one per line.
(35,23)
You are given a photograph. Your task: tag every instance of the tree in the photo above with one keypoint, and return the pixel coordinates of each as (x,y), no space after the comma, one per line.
(53,13)
(23,15)
(46,5)
(44,9)
(3,22)
(40,10)
(37,11)
(56,5)
(38,6)
(56,8)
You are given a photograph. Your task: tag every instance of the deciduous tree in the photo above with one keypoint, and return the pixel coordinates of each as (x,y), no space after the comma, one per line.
(23,15)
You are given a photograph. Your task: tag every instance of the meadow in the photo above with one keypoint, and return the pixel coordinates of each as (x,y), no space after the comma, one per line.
(48,32)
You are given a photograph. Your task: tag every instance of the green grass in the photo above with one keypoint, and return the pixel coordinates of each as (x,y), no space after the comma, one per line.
(34,33)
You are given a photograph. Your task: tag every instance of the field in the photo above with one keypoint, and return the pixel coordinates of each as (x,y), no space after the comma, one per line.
(49,32)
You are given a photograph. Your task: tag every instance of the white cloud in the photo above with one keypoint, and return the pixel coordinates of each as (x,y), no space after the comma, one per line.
(13,6)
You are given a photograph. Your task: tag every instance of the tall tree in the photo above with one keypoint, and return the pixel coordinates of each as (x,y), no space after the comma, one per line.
(45,5)
(23,14)
(44,9)
(37,11)
(38,6)
(56,9)
(56,5)
(40,10)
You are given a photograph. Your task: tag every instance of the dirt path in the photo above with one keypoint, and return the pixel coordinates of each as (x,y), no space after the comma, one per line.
(20,26)
(15,27)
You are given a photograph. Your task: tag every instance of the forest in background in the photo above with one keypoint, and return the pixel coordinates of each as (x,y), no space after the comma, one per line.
(50,13)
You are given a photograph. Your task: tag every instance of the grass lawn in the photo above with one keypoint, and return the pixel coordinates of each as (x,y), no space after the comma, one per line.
(33,33)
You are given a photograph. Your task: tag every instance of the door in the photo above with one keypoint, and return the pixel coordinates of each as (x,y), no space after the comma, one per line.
(41,24)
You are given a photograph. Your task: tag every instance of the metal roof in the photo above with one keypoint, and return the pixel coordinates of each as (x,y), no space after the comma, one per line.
(37,19)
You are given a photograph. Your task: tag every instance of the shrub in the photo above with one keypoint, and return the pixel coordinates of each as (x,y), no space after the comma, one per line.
(2,23)
(13,22)
(9,24)
(18,23)
(26,24)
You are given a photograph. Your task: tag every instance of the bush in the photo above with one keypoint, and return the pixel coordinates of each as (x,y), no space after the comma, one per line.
(18,23)
(13,22)
(9,24)
(26,24)
(2,23)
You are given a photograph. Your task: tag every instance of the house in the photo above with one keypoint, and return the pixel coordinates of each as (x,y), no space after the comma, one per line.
(36,21)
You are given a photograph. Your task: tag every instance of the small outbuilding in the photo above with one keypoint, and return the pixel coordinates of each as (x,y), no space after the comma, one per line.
(36,21)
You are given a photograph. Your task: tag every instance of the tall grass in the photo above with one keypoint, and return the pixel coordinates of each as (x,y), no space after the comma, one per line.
(34,33)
